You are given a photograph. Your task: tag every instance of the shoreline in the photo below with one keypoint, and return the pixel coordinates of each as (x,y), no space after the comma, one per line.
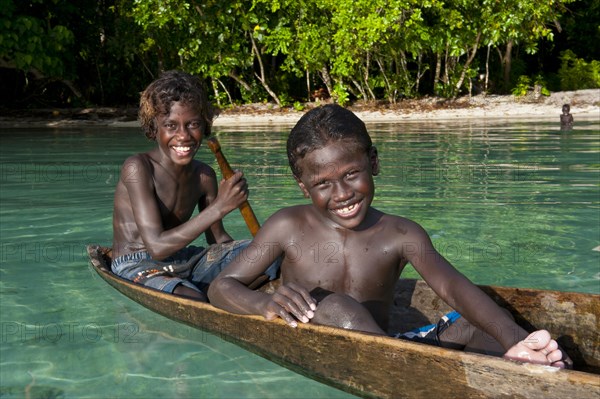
(585,106)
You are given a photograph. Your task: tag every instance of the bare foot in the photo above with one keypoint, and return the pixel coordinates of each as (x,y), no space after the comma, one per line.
(539,348)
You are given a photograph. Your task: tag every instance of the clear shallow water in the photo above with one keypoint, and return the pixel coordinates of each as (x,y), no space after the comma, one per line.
(508,204)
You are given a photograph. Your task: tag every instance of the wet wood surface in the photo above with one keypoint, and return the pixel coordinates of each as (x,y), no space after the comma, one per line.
(382,367)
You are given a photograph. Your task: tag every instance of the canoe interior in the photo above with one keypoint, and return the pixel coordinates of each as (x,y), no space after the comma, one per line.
(572,317)
(380,367)
(412,369)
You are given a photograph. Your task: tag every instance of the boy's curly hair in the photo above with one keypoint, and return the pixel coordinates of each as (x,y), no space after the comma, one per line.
(322,125)
(171,87)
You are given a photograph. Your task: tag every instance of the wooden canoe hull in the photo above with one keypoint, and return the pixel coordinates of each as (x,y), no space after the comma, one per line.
(382,367)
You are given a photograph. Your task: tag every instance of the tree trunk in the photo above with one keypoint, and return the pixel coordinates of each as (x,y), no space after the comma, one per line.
(420,72)
(487,69)
(391,95)
(216,91)
(366,77)
(361,90)
(327,80)
(262,78)
(226,91)
(447,66)
(307,85)
(507,63)
(468,63)
(438,72)
(240,81)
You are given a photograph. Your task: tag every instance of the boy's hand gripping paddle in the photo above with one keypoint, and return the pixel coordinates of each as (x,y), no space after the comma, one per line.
(227,172)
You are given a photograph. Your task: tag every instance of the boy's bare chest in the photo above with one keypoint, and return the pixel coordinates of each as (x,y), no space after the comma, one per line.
(177,199)
(356,266)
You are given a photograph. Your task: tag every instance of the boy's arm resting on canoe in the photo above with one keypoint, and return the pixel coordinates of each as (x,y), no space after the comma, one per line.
(478,308)
(460,293)
(289,302)
(229,291)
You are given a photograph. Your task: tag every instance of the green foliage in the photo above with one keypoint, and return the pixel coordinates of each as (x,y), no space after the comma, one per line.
(30,43)
(284,99)
(575,73)
(540,82)
(298,106)
(269,50)
(523,86)
(340,94)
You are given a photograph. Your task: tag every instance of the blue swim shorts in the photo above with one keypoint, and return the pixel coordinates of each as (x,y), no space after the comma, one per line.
(193,267)
(430,334)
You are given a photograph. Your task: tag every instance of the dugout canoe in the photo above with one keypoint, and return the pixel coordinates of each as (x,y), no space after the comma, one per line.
(380,367)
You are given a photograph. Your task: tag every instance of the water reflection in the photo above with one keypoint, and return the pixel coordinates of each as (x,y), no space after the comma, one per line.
(508,204)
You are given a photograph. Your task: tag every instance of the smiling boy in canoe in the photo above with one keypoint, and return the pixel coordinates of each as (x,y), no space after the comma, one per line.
(158,191)
(342,257)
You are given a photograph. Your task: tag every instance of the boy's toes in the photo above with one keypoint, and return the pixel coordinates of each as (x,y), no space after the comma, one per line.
(555,356)
(560,364)
(540,341)
(538,347)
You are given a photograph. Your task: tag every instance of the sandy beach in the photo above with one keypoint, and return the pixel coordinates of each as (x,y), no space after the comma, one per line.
(585,106)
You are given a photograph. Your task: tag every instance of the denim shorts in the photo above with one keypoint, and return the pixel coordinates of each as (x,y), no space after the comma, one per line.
(193,267)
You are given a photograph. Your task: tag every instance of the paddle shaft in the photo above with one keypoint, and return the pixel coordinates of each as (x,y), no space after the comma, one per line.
(227,172)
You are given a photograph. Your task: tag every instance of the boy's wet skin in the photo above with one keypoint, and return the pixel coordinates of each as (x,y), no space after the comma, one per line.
(179,184)
(338,179)
(342,257)
(158,191)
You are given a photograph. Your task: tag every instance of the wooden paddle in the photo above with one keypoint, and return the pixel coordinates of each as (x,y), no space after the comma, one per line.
(227,172)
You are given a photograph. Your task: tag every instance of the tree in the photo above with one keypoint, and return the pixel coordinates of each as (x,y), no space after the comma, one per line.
(517,22)
(268,49)
(34,42)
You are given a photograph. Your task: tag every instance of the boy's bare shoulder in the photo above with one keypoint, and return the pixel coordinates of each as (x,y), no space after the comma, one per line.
(140,160)
(136,167)
(289,216)
(203,168)
(294,212)
(137,158)
(401,224)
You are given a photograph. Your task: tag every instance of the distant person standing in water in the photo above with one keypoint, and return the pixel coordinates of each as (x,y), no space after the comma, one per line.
(566,119)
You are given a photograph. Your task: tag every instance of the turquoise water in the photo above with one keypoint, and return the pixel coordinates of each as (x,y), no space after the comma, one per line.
(508,204)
